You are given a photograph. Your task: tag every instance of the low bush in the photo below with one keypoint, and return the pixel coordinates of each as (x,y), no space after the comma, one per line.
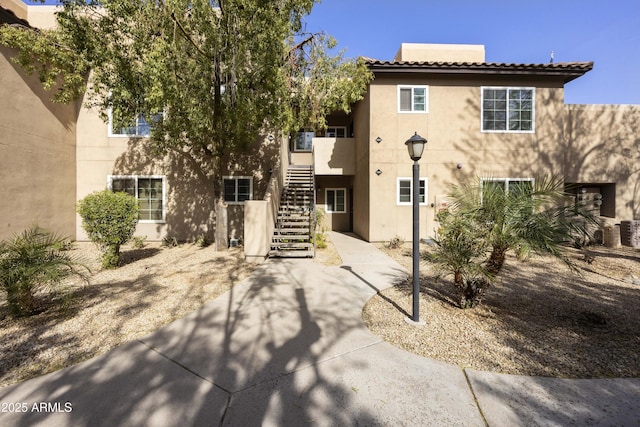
(109,220)
(395,243)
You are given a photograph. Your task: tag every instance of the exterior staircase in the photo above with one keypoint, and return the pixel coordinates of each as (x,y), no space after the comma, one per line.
(293,235)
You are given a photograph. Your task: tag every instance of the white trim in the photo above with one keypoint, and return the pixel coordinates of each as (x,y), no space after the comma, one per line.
(111,134)
(506,181)
(110,179)
(236,178)
(410,202)
(326,199)
(507,88)
(412,87)
(344,128)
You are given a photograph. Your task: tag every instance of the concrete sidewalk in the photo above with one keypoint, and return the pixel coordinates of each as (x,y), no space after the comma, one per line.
(288,347)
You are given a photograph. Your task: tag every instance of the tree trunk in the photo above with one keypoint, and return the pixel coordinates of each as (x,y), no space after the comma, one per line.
(222,228)
(496,260)
(471,292)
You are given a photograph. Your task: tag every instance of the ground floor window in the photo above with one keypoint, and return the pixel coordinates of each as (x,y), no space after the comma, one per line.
(509,184)
(335,200)
(149,190)
(237,189)
(405,191)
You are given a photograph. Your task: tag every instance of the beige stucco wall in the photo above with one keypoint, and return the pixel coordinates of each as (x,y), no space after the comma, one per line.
(37,154)
(453,130)
(19,8)
(41,16)
(336,221)
(334,156)
(601,145)
(189,191)
(362,178)
(425,52)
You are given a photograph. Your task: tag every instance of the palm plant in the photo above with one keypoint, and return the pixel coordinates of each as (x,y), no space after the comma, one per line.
(34,260)
(527,217)
(460,253)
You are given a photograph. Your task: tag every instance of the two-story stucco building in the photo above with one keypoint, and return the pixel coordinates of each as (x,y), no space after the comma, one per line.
(500,121)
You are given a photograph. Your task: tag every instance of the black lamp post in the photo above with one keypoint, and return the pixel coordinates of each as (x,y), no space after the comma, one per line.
(415,145)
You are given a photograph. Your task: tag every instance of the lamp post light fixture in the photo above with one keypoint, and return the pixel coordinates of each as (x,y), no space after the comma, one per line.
(415,145)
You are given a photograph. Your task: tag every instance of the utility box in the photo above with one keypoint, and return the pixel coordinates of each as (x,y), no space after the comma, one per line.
(611,236)
(630,233)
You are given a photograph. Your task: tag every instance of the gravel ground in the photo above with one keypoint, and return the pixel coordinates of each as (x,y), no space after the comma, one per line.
(539,318)
(155,286)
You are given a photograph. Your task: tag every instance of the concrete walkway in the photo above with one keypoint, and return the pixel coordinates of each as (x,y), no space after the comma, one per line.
(287,347)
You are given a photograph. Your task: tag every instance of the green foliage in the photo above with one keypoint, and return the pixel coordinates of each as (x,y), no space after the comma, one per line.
(48,53)
(109,219)
(486,221)
(169,242)
(219,72)
(395,243)
(33,261)
(202,241)
(138,241)
(460,252)
(320,240)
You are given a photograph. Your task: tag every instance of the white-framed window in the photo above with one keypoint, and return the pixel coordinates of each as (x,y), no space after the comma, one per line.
(303,141)
(237,189)
(149,190)
(135,127)
(509,184)
(413,99)
(405,191)
(336,200)
(508,109)
(336,132)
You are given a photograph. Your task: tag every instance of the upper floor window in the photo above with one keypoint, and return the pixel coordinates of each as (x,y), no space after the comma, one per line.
(303,141)
(237,189)
(149,190)
(405,191)
(413,99)
(138,126)
(336,132)
(508,109)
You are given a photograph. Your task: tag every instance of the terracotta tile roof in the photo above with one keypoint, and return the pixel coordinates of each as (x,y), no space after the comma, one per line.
(566,70)
(8,17)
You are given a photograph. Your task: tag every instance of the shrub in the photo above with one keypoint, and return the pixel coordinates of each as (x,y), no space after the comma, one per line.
(138,241)
(169,241)
(395,243)
(320,240)
(489,220)
(110,220)
(460,251)
(34,260)
(202,241)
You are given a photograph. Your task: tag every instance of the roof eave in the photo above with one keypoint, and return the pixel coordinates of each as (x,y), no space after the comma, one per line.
(567,73)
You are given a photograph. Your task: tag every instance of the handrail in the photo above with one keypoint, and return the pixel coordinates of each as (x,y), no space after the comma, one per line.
(313,210)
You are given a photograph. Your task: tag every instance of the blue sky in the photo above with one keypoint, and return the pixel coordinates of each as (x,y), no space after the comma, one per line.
(523,31)
(606,32)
